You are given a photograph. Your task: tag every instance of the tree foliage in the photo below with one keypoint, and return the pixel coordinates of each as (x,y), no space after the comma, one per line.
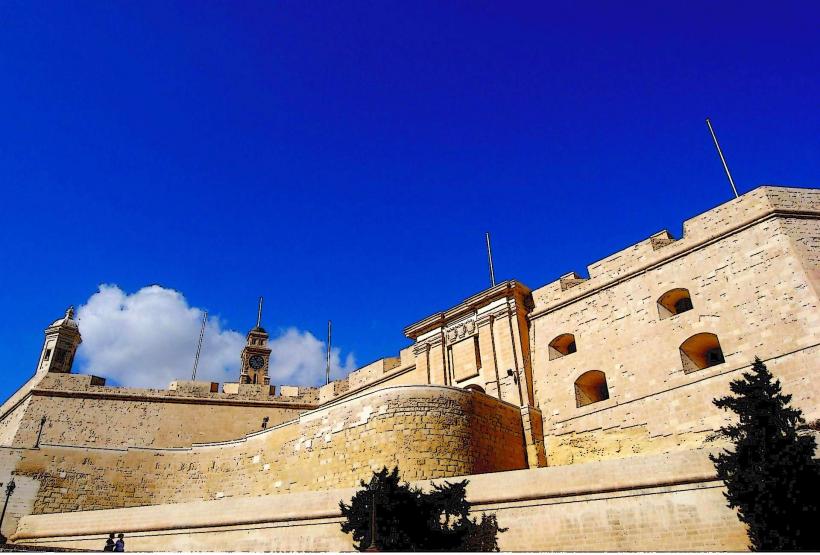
(771,476)
(409,519)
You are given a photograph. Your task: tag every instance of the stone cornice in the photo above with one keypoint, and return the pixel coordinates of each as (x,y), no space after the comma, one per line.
(508,289)
(256,349)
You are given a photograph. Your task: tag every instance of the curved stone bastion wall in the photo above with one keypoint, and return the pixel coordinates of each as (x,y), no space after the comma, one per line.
(430,431)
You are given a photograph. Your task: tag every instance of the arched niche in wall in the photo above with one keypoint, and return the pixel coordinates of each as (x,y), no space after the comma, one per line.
(475,387)
(590,387)
(701,351)
(674,301)
(562,345)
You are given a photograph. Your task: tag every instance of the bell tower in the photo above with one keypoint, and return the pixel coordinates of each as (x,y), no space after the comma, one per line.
(62,340)
(256,354)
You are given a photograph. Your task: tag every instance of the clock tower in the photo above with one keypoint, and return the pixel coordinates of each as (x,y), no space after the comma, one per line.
(256,354)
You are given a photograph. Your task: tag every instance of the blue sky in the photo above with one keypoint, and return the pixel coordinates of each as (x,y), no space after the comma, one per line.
(344,159)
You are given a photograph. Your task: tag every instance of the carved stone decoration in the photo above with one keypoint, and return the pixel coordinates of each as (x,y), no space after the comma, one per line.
(452,335)
(459,331)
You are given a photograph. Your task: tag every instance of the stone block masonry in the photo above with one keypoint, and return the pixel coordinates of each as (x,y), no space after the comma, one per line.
(751,268)
(656,503)
(79,412)
(608,379)
(429,432)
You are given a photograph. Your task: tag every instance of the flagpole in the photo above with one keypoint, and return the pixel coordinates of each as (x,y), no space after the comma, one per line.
(327,368)
(199,345)
(490,259)
(722,159)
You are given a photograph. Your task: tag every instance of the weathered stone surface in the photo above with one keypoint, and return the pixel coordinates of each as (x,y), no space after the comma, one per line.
(625,443)
(661,502)
(429,432)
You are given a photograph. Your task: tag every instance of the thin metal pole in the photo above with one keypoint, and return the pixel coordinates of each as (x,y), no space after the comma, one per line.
(9,490)
(722,159)
(373,523)
(199,345)
(259,314)
(490,259)
(373,547)
(40,432)
(327,368)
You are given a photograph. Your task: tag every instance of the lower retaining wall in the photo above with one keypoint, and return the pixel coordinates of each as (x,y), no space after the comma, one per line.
(666,502)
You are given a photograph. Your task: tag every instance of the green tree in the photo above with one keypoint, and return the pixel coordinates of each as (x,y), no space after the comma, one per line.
(408,519)
(771,476)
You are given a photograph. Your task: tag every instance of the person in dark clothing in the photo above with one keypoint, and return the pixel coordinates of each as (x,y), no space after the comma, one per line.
(120,545)
(109,543)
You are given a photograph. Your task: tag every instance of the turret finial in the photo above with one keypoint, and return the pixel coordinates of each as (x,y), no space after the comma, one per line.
(69,313)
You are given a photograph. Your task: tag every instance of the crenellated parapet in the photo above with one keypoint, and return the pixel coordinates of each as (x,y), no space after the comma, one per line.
(629,359)
(728,218)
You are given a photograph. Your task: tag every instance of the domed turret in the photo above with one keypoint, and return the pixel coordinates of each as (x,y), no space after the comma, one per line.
(62,339)
(67,320)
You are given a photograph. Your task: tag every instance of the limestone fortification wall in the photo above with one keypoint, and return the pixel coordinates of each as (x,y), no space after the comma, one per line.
(384,372)
(80,412)
(12,421)
(13,410)
(709,226)
(669,502)
(21,501)
(751,268)
(429,431)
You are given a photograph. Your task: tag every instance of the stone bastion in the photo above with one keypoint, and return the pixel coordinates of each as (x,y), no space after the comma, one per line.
(429,431)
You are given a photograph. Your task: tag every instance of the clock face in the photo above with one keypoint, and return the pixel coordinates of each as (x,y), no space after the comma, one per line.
(257,362)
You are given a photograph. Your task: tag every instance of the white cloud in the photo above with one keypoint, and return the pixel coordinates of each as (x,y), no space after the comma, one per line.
(148,339)
(297,357)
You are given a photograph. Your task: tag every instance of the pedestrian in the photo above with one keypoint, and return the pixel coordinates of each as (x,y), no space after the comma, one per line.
(109,543)
(120,545)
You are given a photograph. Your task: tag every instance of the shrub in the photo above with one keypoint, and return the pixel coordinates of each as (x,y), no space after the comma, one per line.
(408,519)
